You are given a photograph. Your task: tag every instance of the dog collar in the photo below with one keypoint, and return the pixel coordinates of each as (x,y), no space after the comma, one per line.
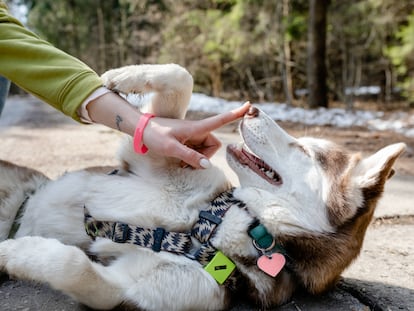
(263,241)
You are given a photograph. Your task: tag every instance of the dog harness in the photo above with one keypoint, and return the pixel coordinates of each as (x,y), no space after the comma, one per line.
(16,222)
(194,244)
(159,239)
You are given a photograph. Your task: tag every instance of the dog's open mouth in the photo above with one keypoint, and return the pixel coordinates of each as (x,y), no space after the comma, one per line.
(256,164)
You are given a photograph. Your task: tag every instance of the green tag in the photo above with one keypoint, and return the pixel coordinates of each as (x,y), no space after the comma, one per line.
(220,267)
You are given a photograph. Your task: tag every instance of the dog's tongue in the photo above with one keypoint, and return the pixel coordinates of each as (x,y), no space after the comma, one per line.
(245,157)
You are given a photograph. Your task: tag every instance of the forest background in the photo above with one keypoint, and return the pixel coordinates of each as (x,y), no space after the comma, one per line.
(311,53)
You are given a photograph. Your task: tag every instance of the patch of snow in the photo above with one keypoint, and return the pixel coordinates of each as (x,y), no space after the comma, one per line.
(400,122)
(363,90)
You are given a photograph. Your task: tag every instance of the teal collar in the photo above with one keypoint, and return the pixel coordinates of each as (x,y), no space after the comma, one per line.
(263,241)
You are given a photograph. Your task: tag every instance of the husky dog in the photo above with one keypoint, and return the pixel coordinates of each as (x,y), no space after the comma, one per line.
(157,236)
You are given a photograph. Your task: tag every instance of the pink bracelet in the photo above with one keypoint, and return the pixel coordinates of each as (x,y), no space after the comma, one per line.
(139,147)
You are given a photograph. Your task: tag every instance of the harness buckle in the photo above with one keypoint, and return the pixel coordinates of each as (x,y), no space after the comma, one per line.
(210,217)
(190,256)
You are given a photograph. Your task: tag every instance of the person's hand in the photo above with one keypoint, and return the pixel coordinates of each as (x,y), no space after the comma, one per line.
(190,141)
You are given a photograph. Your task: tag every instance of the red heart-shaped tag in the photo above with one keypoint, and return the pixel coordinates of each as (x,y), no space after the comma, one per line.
(271,264)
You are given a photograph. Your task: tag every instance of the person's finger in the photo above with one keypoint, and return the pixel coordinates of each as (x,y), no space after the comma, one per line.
(209,146)
(214,122)
(190,156)
(241,111)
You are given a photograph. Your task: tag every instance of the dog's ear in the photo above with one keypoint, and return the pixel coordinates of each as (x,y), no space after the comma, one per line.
(378,167)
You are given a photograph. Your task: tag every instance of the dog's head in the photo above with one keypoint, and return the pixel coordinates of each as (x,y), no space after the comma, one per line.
(310,194)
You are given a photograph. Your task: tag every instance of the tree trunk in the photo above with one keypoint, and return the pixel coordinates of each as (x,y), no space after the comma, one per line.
(101,39)
(215,76)
(287,72)
(316,70)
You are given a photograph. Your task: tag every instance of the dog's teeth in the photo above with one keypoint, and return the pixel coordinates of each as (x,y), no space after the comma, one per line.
(270,174)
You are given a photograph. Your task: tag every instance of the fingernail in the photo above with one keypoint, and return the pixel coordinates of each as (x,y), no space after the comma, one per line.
(205,163)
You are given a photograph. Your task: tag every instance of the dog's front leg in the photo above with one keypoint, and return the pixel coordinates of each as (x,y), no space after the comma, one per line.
(63,267)
(171,84)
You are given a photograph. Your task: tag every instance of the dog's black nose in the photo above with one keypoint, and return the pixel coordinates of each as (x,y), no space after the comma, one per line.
(253,112)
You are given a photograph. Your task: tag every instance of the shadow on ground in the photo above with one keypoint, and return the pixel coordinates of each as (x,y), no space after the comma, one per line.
(350,294)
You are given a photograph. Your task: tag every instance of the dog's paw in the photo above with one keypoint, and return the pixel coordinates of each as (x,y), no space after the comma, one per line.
(33,257)
(121,80)
(108,79)
(22,250)
(6,248)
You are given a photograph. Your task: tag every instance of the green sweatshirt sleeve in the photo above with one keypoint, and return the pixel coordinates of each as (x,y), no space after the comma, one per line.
(41,69)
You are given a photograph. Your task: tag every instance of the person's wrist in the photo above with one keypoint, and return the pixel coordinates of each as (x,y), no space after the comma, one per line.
(115,112)
(143,120)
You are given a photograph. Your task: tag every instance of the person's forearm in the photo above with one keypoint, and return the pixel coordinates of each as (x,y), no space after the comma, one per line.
(115,112)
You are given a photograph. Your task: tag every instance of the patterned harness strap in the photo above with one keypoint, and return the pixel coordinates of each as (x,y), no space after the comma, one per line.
(161,240)
(208,222)
(157,239)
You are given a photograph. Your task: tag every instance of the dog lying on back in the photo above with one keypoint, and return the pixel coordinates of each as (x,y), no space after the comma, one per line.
(170,238)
